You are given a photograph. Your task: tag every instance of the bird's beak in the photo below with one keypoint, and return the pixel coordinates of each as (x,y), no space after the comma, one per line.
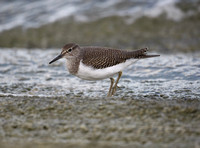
(56,58)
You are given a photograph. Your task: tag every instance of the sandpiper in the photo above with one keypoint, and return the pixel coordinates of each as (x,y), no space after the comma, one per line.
(96,63)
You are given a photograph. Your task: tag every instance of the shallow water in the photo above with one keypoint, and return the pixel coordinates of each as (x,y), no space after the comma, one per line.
(27,73)
(157,103)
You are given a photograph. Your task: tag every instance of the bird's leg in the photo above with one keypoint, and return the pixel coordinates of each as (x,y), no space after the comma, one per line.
(115,86)
(111,85)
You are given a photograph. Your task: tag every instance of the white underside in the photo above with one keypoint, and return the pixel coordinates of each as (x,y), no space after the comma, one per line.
(90,73)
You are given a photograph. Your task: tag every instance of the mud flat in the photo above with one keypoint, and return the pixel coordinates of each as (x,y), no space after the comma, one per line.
(101,122)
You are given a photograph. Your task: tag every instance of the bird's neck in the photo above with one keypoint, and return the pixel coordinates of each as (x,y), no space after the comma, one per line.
(73,64)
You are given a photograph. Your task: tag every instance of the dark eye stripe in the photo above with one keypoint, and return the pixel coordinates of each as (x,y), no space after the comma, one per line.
(70,49)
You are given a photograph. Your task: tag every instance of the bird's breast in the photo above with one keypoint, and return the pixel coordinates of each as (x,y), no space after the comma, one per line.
(72,65)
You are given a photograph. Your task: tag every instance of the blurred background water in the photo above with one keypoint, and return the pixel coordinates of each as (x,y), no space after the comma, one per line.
(41,101)
(36,13)
(162,25)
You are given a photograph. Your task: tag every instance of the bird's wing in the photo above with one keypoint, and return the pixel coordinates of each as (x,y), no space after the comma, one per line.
(99,57)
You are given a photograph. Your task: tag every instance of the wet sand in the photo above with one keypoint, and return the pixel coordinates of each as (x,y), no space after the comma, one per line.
(99,122)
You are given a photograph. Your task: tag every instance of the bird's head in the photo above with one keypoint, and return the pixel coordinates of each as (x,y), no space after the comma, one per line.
(70,50)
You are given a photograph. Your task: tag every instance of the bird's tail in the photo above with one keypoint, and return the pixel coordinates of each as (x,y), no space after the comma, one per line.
(141,54)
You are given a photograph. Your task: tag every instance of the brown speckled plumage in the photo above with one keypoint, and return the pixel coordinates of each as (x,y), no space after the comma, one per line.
(102,57)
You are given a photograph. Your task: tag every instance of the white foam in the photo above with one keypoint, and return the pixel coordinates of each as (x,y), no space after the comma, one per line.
(165,6)
(36,13)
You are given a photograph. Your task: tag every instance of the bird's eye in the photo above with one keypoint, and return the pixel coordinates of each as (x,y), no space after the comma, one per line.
(69,50)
